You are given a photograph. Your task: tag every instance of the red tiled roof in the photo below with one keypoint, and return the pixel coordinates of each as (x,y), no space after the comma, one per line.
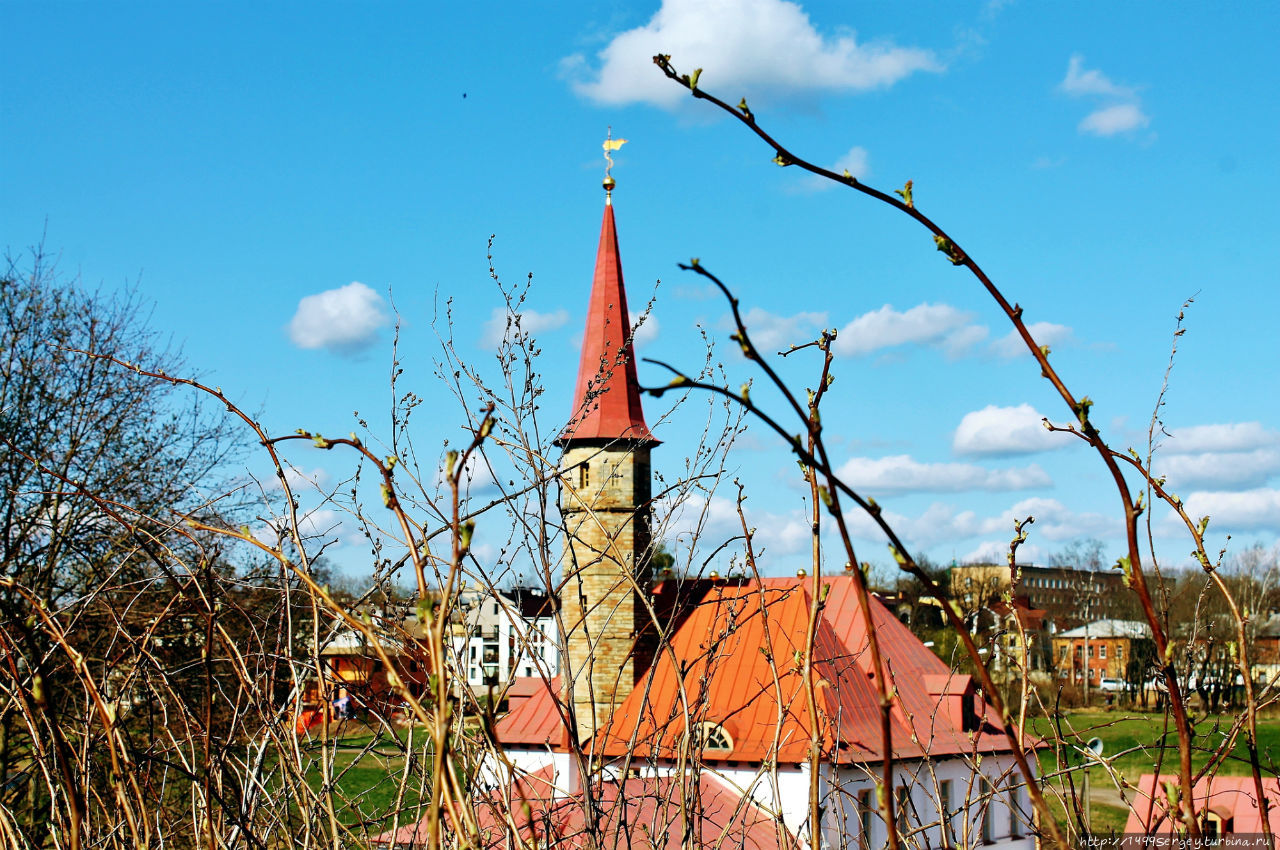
(1230,797)
(525,686)
(607,398)
(536,718)
(649,813)
(717,666)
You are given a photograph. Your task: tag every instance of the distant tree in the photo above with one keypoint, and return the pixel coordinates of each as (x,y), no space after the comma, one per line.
(662,558)
(1139,669)
(81,438)
(98,466)
(1080,554)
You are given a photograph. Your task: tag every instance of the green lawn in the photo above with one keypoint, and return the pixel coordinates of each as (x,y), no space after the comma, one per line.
(1133,742)
(369,770)
(369,765)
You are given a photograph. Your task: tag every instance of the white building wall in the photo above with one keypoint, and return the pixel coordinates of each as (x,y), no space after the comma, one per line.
(926,784)
(842,790)
(524,648)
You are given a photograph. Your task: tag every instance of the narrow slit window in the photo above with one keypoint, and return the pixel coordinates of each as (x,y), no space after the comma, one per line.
(584,475)
(944,811)
(865,812)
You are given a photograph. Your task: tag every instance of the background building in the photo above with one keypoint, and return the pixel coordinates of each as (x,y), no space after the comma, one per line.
(1098,650)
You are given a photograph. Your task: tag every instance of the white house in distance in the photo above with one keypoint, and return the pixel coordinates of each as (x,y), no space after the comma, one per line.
(703,737)
(498,636)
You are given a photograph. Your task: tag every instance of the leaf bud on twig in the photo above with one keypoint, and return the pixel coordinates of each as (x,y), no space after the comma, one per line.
(904,193)
(949,248)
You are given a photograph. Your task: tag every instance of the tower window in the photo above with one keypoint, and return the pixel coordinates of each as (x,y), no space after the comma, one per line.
(584,474)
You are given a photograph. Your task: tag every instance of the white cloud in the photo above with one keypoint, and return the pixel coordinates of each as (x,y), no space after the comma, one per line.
(771,332)
(1079,82)
(1111,120)
(477,481)
(930,324)
(501,322)
(902,474)
(316,525)
(760,46)
(344,320)
(1226,437)
(942,524)
(856,162)
(1246,510)
(1045,333)
(1225,455)
(715,520)
(1120,109)
(962,340)
(1219,469)
(997,552)
(647,332)
(1003,431)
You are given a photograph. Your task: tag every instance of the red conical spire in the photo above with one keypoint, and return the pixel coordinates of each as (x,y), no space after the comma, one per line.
(607,398)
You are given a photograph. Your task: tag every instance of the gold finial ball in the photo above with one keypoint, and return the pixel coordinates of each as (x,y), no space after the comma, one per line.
(609,183)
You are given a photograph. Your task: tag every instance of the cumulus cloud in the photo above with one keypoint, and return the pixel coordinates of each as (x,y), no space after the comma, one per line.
(306,479)
(502,321)
(1120,108)
(771,332)
(1003,431)
(1226,437)
(943,523)
(902,474)
(343,320)
(1110,120)
(1245,510)
(1226,455)
(317,524)
(757,46)
(477,482)
(856,162)
(930,324)
(1219,469)
(997,552)
(1079,81)
(647,332)
(715,520)
(1046,333)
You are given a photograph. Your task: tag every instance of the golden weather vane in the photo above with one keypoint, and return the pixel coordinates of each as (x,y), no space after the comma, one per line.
(610,145)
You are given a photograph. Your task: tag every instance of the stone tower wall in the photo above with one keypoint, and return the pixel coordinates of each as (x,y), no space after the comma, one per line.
(606,514)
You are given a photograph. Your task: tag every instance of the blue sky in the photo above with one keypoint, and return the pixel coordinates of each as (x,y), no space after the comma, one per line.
(274,178)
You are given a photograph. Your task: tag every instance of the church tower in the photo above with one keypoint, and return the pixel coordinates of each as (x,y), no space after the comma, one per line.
(605,494)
